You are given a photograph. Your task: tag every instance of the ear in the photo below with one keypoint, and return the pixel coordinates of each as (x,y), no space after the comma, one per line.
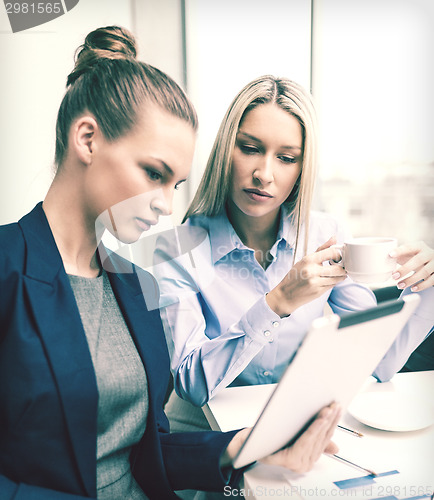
(82,138)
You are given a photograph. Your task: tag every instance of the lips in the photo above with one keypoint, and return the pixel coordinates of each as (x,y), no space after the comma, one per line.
(257,194)
(145,224)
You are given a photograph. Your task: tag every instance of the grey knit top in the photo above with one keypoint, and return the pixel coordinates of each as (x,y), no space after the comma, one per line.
(122,386)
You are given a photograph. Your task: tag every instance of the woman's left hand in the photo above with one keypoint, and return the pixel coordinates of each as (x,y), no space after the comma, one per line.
(418,259)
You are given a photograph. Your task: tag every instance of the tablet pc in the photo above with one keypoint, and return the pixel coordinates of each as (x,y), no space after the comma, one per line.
(332,363)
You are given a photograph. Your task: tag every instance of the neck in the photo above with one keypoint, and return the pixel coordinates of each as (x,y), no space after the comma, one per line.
(258,233)
(73,231)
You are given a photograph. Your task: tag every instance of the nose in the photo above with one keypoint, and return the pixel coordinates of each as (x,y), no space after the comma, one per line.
(264,170)
(161,204)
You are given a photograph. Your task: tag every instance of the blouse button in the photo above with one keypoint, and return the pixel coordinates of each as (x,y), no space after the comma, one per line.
(275,324)
(267,333)
(266,374)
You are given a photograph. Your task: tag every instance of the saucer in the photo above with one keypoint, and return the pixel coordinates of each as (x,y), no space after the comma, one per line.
(392,411)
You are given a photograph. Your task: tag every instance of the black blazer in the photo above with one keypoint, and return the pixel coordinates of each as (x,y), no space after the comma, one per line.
(48,392)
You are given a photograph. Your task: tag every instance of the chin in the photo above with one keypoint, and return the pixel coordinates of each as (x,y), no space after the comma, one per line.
(256,211)
(129,240)
(124,235)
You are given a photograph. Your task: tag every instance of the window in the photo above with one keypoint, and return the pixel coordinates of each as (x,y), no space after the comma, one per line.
(373,77)
(370,66)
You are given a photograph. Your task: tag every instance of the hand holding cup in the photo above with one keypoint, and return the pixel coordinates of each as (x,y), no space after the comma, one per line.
(417,266)
(368,260)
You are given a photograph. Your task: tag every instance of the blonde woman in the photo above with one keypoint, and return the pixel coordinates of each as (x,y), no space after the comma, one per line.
(237,307)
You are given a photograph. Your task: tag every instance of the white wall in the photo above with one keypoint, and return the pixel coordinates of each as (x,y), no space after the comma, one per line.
(35,64)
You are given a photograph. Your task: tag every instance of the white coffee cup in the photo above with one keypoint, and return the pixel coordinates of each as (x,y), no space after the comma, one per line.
(367,260)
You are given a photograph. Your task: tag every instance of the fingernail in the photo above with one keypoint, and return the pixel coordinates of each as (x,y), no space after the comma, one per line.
(392,254)
(401,285)
(396,276)
(414,288)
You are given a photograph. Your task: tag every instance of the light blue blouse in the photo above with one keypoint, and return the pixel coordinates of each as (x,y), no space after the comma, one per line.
(219,328)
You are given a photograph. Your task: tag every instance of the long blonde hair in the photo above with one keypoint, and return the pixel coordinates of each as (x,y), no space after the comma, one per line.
(213,191)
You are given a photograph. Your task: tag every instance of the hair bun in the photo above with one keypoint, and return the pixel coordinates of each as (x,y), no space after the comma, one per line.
(111,42)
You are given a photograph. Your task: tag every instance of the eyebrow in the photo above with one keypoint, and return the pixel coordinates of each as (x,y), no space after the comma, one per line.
(164,164)
(166,168)
(253,138)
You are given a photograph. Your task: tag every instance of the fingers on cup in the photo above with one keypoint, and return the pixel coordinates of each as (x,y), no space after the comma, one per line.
(422,278)
(423,285)
(331,241)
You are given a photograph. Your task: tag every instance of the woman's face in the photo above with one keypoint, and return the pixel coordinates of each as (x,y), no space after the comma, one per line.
(267,160)
(131,181)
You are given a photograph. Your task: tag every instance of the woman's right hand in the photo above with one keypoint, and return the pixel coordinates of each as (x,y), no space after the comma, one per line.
(307,280)
(305,451)
(316,439)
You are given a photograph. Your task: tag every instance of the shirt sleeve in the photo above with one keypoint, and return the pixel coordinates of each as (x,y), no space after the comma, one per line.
(416,330)
(201,365)
(349,296)
(192,460)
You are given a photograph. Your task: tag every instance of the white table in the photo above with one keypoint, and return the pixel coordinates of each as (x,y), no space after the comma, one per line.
(411,453)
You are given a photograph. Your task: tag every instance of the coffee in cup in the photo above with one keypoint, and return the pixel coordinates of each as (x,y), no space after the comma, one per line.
(367,260)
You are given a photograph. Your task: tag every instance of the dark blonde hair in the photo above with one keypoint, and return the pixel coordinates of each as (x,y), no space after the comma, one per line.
(213,191)
(109,82)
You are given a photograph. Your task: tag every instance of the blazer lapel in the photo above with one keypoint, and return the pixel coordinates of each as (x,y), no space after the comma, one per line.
(59,326)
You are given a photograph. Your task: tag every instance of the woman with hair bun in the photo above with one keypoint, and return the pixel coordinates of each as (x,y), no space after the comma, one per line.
(84,366)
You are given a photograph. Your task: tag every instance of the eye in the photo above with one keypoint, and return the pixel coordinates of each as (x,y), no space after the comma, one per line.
(154,175)
(287,159)
(248,149)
